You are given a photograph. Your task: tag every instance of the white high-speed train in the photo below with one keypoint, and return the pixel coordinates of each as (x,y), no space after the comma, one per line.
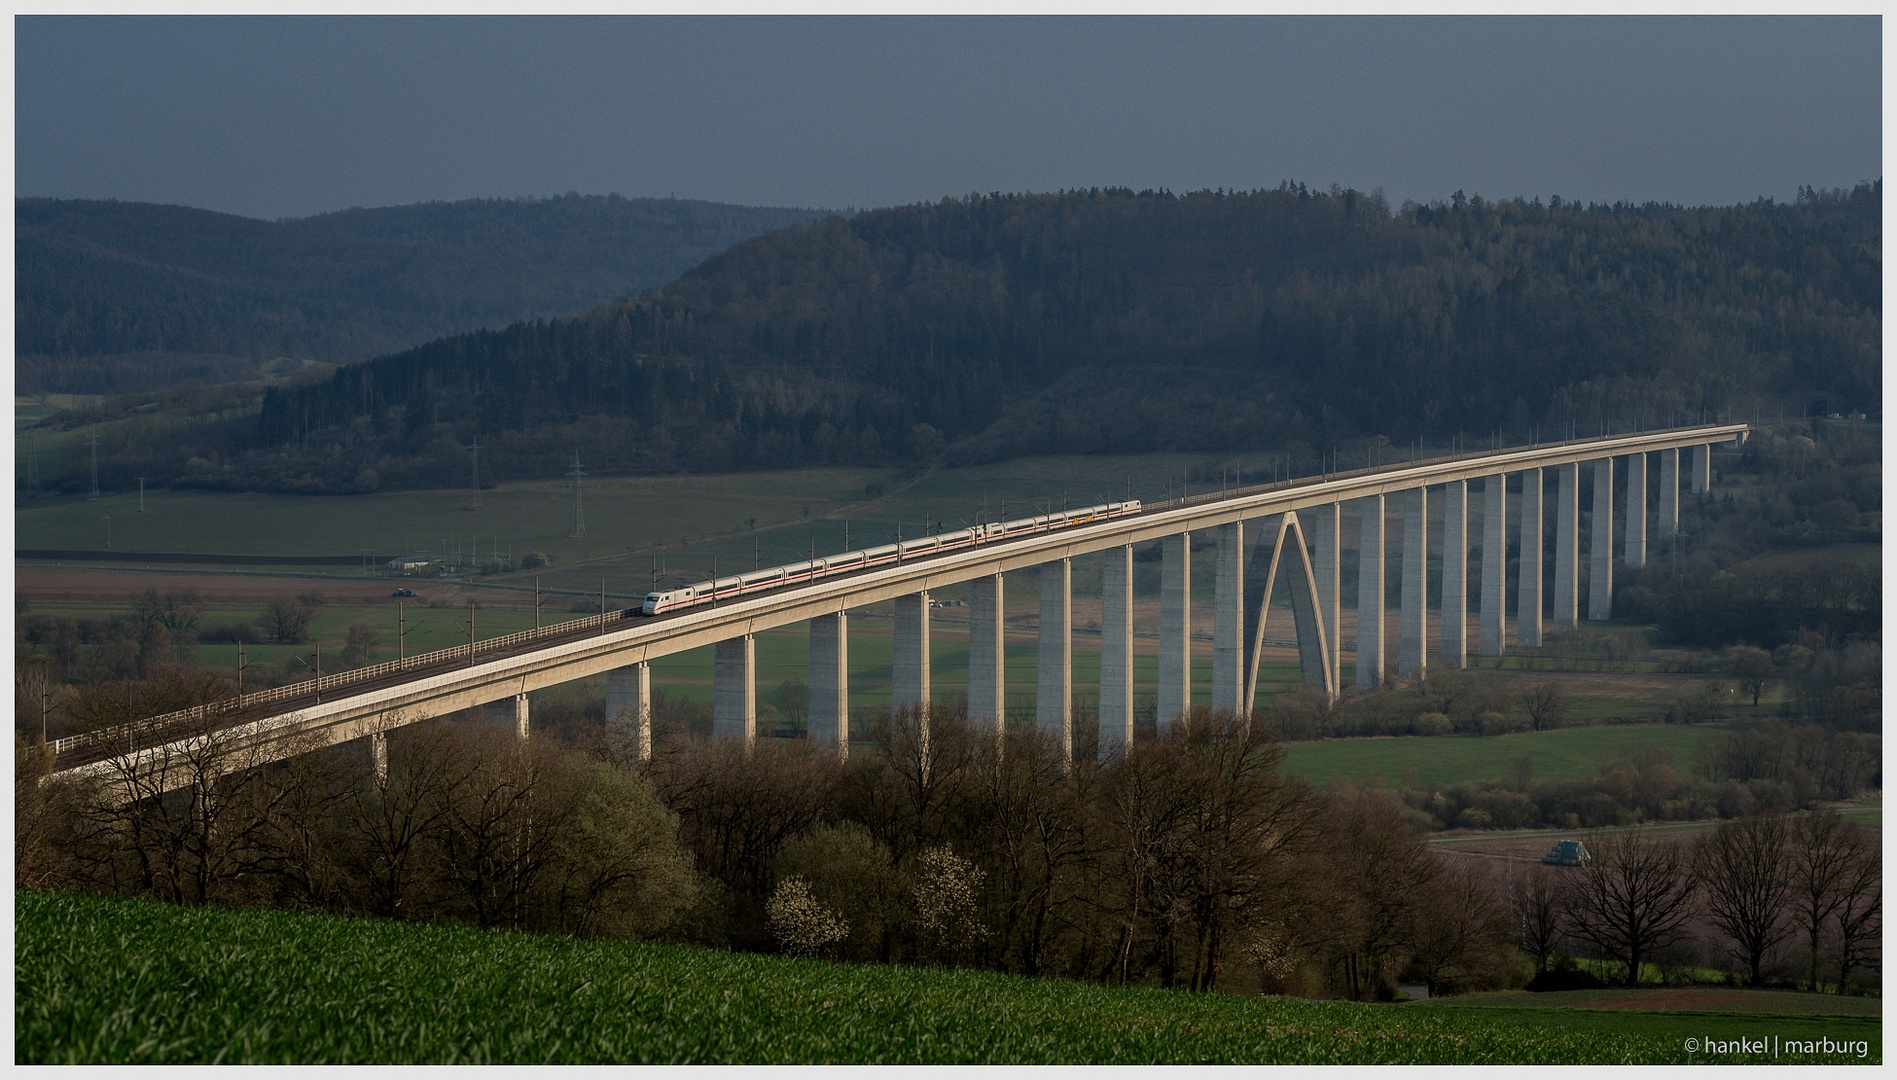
(730,588)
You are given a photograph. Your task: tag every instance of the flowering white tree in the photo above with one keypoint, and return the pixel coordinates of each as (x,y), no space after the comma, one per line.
(802,925)
(947,889)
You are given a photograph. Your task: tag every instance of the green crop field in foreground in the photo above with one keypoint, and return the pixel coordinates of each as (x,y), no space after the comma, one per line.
(101,980)
(1567,754)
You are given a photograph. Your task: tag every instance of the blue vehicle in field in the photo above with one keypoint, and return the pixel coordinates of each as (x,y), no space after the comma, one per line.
(1568,853)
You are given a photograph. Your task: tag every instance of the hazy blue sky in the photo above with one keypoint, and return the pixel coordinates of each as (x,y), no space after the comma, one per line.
(287,116)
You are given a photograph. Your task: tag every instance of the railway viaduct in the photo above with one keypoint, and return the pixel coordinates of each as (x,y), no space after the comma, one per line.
(1295,529)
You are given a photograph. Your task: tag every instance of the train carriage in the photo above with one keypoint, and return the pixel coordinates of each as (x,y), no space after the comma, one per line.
(731,588)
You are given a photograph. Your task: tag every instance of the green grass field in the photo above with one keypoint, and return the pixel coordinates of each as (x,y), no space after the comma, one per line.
(115,981)
(622,513)
(1567,754)
(788,511)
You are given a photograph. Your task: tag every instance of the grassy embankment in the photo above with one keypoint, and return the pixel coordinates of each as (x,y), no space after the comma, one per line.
(101,980)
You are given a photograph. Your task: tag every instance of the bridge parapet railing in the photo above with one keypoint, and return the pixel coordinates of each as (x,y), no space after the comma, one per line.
(126,734)
(118,735)
(1381,466)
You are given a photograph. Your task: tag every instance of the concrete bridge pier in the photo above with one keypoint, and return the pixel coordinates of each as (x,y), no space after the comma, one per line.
(1175,628)
(1567,546)
(1412,655)
(1228,621)
(909,666)
(511,709)
(734,689)
(1669,523)
(629,701)
(379,757)
(1600,552)
(1116,650)
(1636,556)
(1455,594)
(1702,469)
(1528,572)
(1054,670)
(1327,530)
(1494,630)
(987,657)
(1370,592)
(829,714)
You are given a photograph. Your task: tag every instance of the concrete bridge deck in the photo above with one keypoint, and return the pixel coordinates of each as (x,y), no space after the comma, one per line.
(364,705)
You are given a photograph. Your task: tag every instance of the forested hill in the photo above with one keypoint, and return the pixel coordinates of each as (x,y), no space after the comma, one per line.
(124,295)
(1109,320)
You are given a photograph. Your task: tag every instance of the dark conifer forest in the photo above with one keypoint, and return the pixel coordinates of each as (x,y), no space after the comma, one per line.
(126,296)
(1106,320)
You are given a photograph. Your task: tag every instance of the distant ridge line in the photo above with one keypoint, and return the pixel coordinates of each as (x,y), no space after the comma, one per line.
(194,557)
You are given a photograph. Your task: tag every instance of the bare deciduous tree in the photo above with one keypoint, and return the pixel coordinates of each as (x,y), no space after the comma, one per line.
(392,817)
(1369,865)
(1745,868)
(1633,899)
(1461,931)
(1545,703)
(1822,857)
(1209,819)
(287,619)
(737,806)
(1753,668)
(361,646)
(1537,900)
(497,827)
(186,812)
(1860,916)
